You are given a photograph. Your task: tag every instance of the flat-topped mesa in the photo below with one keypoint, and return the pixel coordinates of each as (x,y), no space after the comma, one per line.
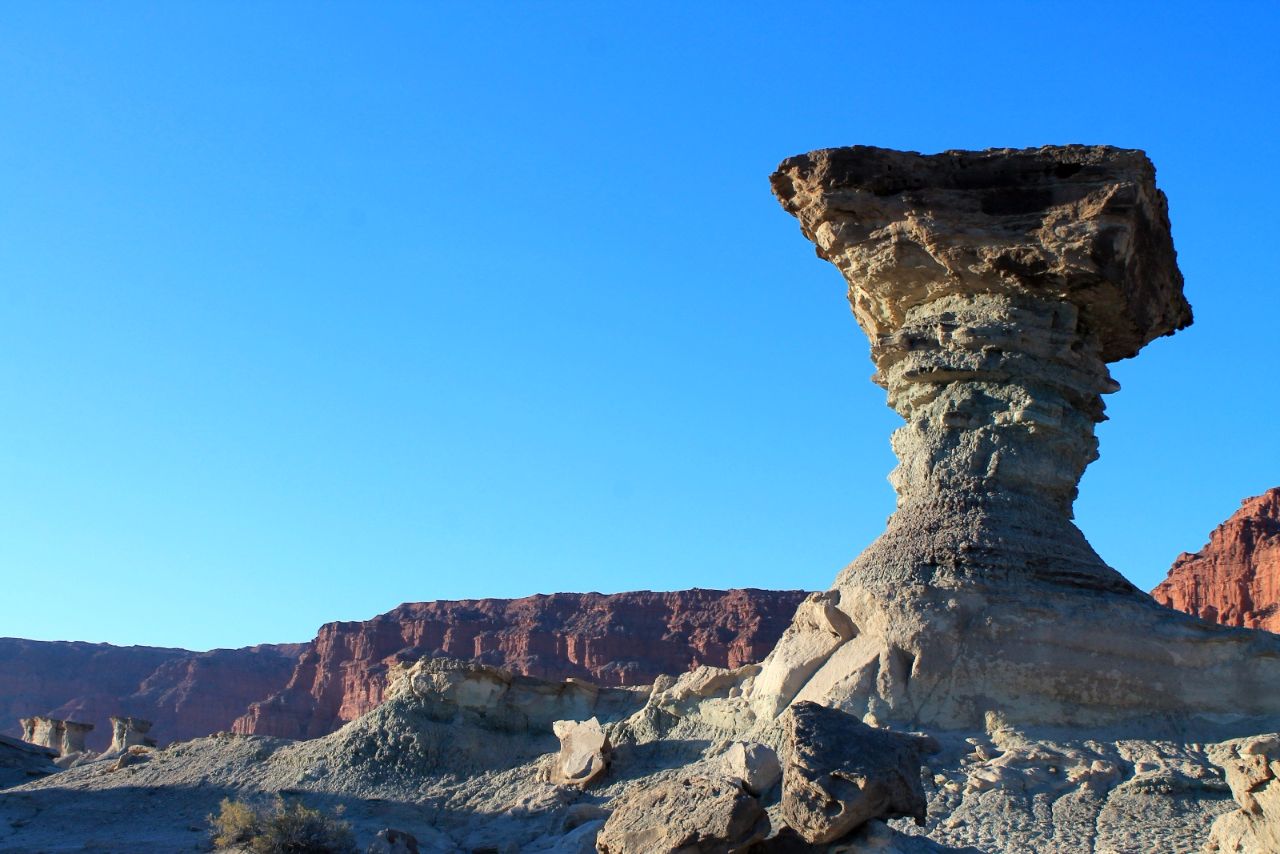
(994,286)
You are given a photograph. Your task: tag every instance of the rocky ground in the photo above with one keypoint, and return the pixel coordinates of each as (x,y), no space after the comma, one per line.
(978,680)
(462,758)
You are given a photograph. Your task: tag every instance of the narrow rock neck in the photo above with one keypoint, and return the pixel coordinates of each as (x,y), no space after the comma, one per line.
(1000,392)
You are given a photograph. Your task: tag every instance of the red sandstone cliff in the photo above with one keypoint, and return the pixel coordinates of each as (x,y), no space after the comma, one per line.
(187,694)
(619,639)
(1235,579)
(305,690)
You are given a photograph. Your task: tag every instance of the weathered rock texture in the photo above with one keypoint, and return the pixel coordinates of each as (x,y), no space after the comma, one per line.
(21,762)
(127,732)
(66,737)
(995,287)
(584,752)
(1235,578)
(691,814)
(618,639)
(1252,767)
(305,690)
(841,773)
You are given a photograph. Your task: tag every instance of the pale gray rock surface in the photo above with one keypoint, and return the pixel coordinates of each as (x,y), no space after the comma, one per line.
(841,773)
(128,731)
(754,765)
(584,752)
(692,815)
(1252,767)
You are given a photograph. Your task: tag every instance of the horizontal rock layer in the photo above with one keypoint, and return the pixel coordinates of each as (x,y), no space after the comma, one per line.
(313,688)
(618,639)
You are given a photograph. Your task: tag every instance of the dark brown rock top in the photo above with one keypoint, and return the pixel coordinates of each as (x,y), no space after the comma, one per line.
(1085,224)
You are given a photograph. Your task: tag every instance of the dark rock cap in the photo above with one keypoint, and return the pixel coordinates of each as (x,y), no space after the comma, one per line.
(1079,223)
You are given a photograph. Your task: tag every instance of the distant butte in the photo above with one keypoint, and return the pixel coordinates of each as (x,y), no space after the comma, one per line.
(1235,579)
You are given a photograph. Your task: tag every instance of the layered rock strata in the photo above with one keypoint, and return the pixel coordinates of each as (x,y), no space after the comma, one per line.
(1235,578)
(66,737)
(616,639)
(127,732)
(995,287)
(187,694)
(305,690)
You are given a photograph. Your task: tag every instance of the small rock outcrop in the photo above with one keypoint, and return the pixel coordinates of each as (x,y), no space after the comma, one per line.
(127,732)
(691,814)
(392,841)
(584,752)
(1252,767)
(754,765)
(1235,579)
(841,773)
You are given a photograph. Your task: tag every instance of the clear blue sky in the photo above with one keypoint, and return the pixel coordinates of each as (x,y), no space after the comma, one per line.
(307,310)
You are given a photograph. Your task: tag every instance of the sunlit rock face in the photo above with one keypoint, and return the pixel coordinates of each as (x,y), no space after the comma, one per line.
(1235,578)
(995,287)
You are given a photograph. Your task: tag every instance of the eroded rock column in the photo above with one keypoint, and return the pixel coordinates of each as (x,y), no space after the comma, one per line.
(995,288)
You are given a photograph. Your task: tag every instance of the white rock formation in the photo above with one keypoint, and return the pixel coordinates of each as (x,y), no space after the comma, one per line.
(584,752)
(127,732)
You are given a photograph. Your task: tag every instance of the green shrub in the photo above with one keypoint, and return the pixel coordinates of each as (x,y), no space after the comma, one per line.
(236,824)
(285,829)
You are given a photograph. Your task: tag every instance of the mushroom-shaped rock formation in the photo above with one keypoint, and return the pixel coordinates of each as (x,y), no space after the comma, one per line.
(128,731)
(995,286)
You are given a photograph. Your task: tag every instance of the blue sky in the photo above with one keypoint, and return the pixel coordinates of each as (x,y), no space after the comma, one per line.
(310,310)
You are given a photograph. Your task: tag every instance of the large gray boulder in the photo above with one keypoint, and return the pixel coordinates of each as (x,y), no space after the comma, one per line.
(841,774)
(689,815)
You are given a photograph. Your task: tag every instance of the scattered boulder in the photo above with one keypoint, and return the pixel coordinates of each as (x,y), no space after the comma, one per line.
(390,841)
(584,752)
(690,815)
(841,773)
(128,731)
(755,765)
(1251,766)
(135,755)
